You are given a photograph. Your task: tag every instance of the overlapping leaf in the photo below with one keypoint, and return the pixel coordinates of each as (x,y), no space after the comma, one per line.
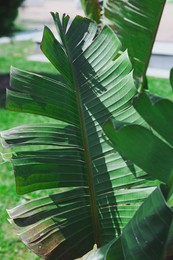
(144,236)
(150,149)
(135,23)
(105,189)
(156,154)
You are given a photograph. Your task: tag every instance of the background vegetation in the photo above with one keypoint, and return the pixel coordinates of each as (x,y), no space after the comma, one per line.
(8,14)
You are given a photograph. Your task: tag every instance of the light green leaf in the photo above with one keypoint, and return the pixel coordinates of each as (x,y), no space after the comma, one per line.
(38,96)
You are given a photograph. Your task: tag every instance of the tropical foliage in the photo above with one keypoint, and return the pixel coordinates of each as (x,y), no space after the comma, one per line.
(107,199)
(135,23)
(150,149)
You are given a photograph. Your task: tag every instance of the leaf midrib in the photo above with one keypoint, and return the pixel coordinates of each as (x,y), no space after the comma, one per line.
(92,194)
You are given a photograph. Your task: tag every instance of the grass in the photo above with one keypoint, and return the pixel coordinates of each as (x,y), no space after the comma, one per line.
(16,54)
(160,87)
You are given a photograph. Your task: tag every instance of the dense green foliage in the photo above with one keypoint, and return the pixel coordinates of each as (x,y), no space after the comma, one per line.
(8,13)
(149,146)
(104,189)
(10,245)
(135,23)
(109,147)
(79,163)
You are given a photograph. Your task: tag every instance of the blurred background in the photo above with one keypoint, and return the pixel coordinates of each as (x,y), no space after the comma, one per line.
(20,36)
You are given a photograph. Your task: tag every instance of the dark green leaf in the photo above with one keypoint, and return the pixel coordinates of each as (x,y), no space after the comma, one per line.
(142,147)
(157,114)
(146,234)
(135,23)
(171,77)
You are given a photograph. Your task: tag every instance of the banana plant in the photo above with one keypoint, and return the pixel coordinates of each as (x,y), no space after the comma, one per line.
(135,23)
(151,149)
(106,198)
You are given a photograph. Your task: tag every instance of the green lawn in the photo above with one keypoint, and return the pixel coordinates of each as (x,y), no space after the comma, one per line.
(15,54)
(160,87)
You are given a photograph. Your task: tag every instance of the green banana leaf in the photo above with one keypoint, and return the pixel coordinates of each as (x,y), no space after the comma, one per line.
(103,190)
(129,138)
(150,149)
(145,234)
(135,23)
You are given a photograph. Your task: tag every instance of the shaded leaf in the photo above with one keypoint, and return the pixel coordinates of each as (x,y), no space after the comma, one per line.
(158,114)
(142,147)
(135,23)
(145,235)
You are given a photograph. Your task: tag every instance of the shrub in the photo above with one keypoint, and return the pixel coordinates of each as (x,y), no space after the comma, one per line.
(8,13)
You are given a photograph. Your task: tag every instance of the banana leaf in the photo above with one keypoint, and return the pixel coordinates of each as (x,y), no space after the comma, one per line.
(151,149)
(145,235)
(102,189)
(129,138)
(135,23)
